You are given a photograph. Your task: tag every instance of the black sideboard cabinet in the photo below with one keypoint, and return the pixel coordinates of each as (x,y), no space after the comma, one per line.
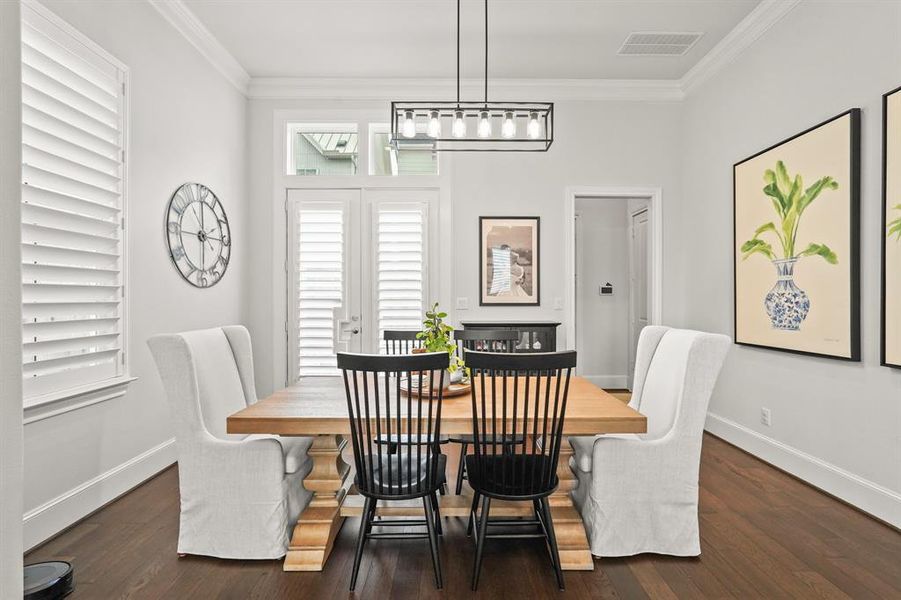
(534,336)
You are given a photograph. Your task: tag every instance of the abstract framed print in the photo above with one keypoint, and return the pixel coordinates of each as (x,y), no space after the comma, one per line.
(509,261)
(796,242)
(891,229)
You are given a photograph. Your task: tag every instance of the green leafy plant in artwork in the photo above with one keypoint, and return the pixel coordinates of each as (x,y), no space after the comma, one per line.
(790,199)
(894,228)
(436,336)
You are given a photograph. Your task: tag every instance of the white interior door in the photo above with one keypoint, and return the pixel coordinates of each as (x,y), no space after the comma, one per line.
(359,263)
(638,281)
(325,313)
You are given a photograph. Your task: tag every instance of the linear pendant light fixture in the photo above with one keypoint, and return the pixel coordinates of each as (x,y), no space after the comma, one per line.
(458,126)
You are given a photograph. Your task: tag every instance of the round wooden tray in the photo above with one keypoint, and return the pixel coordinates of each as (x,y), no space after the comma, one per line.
(451,391)
(457,389)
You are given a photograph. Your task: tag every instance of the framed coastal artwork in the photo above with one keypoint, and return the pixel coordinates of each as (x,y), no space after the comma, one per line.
(509,261)
(796,245)
(891,229)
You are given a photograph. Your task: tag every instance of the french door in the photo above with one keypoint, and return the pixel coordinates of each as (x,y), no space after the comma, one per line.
(359,263)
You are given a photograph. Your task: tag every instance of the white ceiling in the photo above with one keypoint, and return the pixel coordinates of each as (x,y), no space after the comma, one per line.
(542,39)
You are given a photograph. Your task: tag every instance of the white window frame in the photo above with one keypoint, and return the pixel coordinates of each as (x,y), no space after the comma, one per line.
(46,405)
(441,227)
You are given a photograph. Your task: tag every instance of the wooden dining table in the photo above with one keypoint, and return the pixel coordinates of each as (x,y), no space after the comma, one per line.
(317,407)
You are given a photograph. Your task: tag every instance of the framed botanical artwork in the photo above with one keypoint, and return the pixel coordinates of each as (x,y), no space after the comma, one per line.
(891,228)
(796,244)
(509,261)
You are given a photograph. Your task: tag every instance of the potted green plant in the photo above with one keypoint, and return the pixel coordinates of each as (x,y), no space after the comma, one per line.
(894,228)
(786,304)
(436,337)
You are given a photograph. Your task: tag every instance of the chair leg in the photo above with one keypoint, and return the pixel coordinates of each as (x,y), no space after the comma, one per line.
(361,540)
(433,538)
(461,467)
(552,542)
(480,542)
(437,509)
(472,513)
(371,515)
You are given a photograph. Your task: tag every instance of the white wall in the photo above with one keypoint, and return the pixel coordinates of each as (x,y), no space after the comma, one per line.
(186,123)
(10,304)
(833,423)
(603,321)
(597,143)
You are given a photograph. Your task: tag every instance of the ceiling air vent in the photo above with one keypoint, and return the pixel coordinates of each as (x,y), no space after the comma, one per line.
(650,43)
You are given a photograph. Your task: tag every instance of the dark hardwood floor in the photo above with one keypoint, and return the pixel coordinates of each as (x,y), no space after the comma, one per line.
(763,535)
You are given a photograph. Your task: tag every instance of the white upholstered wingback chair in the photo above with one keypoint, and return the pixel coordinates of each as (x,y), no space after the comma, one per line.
(639,493)
(240,495)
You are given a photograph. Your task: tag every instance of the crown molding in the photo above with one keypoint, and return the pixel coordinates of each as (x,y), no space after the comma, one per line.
(377,89)
(181,17)
(749,30)
(746,33)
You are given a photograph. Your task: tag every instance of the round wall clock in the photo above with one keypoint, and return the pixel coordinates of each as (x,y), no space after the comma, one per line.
(198,235)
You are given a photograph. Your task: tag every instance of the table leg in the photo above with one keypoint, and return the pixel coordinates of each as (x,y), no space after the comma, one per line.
(319,523)
(572,540)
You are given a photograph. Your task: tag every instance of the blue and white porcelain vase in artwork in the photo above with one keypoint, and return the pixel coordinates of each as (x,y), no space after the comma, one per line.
(786,304)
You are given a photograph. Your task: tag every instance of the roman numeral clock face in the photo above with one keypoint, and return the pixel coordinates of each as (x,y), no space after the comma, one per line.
(198,235)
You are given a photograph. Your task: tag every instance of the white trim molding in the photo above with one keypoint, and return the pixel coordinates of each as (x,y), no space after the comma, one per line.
(48,519)
(654,196)
(187,24)
(742,36)
(372,89)
(749,30)
(882,503)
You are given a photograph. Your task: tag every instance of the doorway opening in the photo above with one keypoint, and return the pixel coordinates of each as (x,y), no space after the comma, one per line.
(615,272)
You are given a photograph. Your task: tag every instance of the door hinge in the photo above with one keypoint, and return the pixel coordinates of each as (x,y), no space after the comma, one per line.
(123,156)
(286,327)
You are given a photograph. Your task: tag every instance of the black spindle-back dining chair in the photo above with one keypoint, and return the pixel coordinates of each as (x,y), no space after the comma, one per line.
(487,340)
(391,395)
(400,341)
(514,395)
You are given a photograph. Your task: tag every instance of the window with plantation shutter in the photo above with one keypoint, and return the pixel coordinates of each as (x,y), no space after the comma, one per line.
(319,277)
(400,273)
(73,133)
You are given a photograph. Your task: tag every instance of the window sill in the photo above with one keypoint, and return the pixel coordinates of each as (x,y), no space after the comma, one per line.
(57,403)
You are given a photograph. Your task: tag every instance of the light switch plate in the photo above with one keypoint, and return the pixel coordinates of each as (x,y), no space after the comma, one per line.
(462,303)
(558,303)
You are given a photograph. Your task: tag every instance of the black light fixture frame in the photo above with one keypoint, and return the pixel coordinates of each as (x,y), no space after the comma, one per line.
(472,110)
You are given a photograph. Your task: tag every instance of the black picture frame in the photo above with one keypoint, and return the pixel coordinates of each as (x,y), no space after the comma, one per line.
(854,239)
(536,260)
(883,332)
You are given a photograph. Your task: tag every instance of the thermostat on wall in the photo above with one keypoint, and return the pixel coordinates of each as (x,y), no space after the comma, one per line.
(606,289)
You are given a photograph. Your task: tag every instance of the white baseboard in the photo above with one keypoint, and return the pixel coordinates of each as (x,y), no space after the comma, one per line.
(869,497)
(610,382)
(48,519)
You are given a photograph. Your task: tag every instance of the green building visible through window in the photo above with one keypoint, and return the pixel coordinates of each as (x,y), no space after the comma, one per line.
(325,153)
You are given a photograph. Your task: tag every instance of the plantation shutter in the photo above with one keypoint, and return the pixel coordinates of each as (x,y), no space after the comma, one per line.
(319,277)
(400,272)
(72,211)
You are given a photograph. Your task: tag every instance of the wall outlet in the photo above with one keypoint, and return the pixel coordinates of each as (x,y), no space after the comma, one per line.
(766,417)
(462,303)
